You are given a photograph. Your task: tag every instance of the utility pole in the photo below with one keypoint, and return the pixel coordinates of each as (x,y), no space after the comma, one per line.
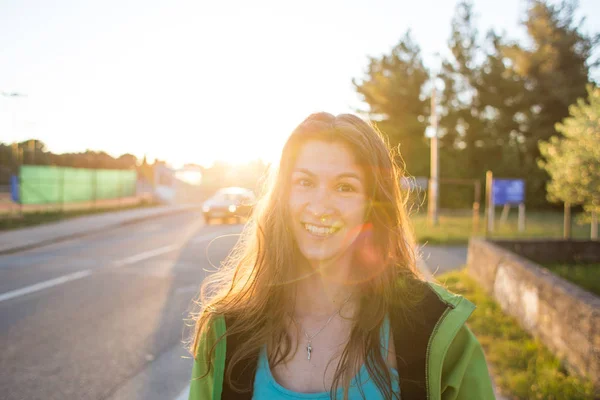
(13,95)
(17,152)
(433,204)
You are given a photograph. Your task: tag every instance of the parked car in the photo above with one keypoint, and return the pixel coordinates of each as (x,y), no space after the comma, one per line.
(231,202)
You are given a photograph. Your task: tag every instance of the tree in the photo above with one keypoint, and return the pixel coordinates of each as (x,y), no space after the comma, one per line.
(459,122)
(146,171)
(393,90)
(554,70)
(573,160)
(33,152)
(478,104)
(501,98)
(126,161)
(468,116)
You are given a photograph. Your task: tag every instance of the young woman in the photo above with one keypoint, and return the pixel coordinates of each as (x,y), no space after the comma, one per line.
(321,299)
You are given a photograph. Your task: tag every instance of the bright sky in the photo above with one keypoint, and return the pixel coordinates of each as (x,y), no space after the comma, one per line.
(197,80)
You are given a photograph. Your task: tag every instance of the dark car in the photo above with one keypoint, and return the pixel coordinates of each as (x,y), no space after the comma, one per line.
(231,202)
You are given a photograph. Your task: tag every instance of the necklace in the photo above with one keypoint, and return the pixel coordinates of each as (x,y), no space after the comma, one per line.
(309,338)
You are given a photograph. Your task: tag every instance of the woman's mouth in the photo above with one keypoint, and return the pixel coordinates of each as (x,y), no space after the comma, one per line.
(321,231)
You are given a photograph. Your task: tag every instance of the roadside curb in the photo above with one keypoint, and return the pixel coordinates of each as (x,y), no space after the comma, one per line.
(130,221)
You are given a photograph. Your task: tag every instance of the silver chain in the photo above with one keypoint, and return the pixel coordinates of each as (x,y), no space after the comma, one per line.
(309,338)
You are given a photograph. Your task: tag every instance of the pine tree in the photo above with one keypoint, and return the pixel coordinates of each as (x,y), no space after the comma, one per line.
(481,102)
(393,91)
(554,71)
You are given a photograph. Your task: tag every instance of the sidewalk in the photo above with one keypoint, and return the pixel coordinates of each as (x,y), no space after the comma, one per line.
(27,238)
(441,259)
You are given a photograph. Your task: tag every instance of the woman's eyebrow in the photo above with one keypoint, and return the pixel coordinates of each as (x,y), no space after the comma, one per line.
(349,175)
(339,176)
(304,170)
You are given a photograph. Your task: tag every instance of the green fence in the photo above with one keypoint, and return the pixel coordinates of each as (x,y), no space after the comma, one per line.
(57,185)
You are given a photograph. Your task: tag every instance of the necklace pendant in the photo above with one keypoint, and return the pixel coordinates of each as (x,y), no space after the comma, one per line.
(308,350)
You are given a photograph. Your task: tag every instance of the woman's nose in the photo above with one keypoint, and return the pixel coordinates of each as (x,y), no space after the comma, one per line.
(320,204)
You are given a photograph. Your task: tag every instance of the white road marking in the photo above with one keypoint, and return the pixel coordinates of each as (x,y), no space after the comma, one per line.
(44,285)
(185,393)
(145,255)
(166,249)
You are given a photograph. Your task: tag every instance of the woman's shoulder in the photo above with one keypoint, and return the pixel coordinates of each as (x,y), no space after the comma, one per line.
(424,303)
(213,331)
(425,293)
(426,320)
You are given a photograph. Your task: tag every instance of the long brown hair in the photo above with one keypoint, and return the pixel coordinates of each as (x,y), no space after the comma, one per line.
(253,280)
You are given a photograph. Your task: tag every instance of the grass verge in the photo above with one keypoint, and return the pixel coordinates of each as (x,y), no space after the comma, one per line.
(586,276)
(455,227)
(39,218)
(523,367)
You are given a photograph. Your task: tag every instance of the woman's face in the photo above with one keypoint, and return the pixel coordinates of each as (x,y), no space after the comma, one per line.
(327,201)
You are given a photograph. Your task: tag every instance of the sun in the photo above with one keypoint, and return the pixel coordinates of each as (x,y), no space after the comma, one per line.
(236,143)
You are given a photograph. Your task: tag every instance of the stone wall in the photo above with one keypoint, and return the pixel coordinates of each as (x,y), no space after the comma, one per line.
(545,251)
(563,316)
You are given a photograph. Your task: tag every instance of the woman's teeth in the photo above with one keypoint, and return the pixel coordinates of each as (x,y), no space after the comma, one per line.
(321,230)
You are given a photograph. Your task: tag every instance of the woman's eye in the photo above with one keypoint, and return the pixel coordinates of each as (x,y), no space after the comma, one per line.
(304,182)
(345,188)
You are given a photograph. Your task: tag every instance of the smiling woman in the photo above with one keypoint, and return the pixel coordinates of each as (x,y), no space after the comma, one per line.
(325,228)
(321,297)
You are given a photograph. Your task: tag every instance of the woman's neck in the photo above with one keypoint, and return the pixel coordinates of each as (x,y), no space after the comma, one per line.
(320,295)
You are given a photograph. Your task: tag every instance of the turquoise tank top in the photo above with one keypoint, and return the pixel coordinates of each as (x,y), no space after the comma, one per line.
(267,388)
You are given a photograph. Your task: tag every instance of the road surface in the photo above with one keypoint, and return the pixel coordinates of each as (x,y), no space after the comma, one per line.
(102,317)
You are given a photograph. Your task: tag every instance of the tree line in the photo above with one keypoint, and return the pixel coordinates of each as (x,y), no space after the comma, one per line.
(34,152)
(498,98)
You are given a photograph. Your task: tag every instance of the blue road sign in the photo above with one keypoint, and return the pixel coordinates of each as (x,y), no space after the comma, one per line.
(14,188)
(508,191)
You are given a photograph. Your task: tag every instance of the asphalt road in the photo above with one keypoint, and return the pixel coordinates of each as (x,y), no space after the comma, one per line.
(102,317)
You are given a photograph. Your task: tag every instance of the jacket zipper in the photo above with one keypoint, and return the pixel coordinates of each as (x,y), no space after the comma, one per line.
(433,333)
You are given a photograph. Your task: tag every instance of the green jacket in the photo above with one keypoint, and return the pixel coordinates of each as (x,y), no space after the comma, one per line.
(438,356)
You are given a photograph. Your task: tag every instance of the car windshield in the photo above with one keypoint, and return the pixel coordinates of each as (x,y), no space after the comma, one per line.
(233,195)
(227,197)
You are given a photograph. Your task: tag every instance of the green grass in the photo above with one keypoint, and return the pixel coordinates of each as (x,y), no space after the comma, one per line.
(456,227)
(39,218)
(522,366)
(586,276)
